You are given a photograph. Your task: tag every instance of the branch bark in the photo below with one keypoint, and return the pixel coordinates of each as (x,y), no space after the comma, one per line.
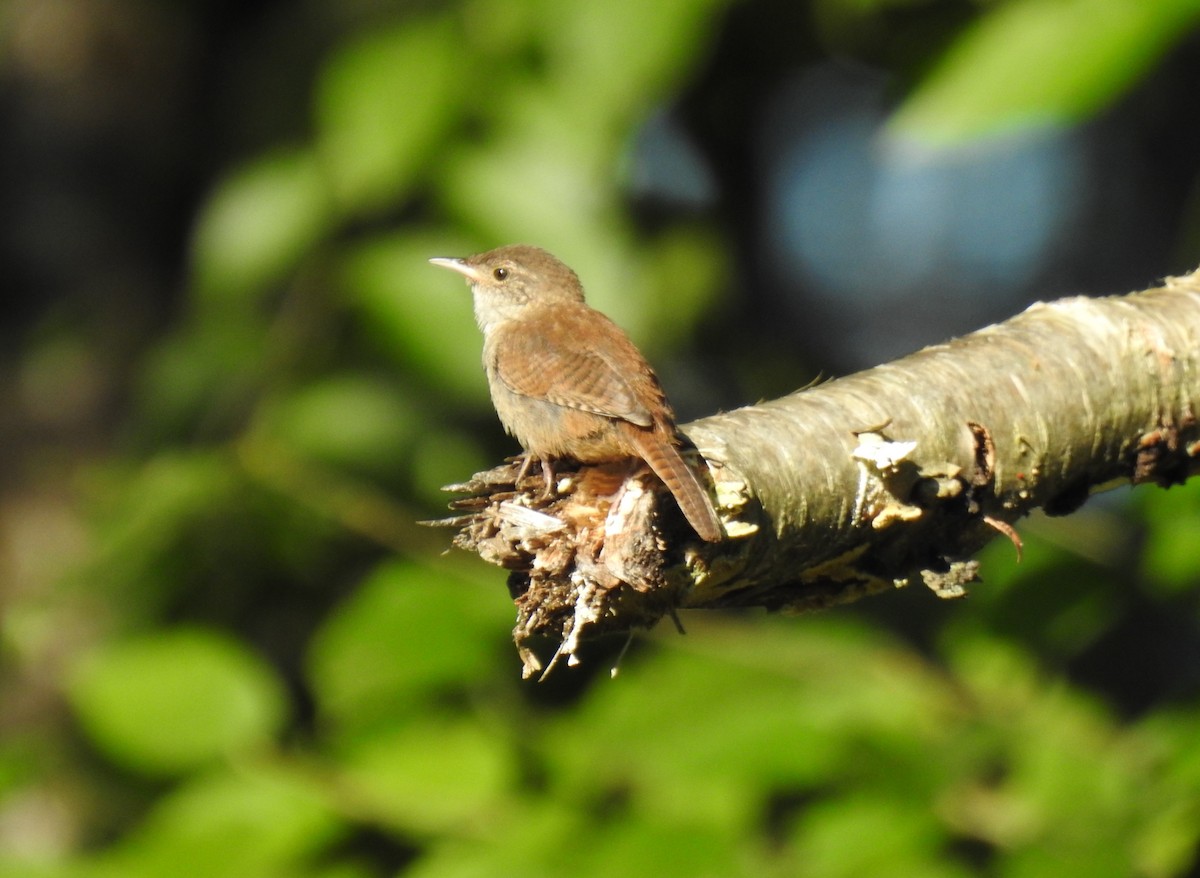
(867,483)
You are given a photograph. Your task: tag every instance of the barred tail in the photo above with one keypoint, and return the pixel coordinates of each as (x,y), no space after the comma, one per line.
(683,482)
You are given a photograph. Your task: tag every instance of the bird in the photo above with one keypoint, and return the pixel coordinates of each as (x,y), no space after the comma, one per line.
(567,382)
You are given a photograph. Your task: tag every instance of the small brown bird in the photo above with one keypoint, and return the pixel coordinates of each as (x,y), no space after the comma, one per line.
(567,381)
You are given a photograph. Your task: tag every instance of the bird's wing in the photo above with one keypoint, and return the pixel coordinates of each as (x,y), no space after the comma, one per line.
(578,359)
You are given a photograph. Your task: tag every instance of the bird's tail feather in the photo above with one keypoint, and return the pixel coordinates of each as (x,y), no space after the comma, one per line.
(684,483)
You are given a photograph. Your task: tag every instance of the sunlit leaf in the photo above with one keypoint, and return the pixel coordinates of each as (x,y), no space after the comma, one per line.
(350,420)
(685,270)
(1171,557)
(812,697)
(646,845)
(170,701)
(256,822)
(1031,63)
(1171,832)
(831,839)
(419,314)
(257,224)
(564,206)
(383,101)
(650,39)
(536,181)
(406,631)
(432,776)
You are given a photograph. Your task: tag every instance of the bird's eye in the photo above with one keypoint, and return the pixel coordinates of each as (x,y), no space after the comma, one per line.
(500,274)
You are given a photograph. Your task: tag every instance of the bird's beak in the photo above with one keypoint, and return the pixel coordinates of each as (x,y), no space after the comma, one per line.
(470,272)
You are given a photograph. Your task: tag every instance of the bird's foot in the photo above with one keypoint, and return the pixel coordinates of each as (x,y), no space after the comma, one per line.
(550,488)
(526,460)
(548,474)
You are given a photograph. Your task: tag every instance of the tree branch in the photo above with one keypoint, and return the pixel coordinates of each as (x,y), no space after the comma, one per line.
(866,483)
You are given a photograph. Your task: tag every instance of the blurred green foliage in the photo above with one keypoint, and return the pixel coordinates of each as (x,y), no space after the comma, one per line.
(1030,63)
(173,701)
(270,670)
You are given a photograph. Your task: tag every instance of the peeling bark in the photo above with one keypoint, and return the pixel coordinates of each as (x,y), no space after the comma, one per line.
(863,484)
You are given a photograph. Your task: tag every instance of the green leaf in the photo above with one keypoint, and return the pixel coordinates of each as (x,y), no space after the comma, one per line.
(544,846)
(349,420)
(866,834)
(168,702)
(1066,784)
(1171,832)
(383,102)
(686,267)
(420,315)
(432,776)
(654,42)
(255,823)
(256,226)
(1171,557)
(560,202)
(14,865)
(652,846)
(406,631)
(812,698)
(1030,63)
